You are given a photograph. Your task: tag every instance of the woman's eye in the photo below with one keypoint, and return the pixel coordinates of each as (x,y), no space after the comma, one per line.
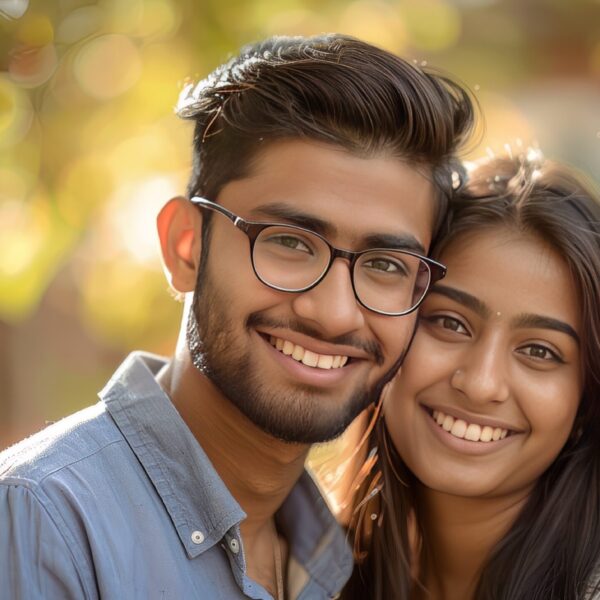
(449,323)
(453,324)
(540,353)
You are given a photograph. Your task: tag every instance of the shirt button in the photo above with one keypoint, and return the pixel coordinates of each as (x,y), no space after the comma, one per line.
(197,537)
(234,545)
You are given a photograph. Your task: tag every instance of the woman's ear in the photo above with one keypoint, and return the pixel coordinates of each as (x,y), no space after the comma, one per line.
(179,225)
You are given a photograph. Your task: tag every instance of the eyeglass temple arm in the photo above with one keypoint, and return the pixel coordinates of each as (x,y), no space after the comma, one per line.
(204,203)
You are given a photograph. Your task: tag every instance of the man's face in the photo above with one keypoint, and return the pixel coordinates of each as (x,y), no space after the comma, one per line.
(259,346)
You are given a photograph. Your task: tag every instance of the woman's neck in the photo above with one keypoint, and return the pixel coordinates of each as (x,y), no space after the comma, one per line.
(460,534)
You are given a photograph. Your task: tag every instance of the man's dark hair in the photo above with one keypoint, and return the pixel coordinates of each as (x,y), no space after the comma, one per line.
(330,88)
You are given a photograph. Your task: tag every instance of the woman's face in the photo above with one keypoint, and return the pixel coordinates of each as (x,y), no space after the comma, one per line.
(488,393)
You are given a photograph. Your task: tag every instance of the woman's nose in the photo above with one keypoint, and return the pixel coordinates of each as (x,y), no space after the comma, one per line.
(482,374)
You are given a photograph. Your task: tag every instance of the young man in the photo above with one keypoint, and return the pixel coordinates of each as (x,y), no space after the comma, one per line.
(321,166)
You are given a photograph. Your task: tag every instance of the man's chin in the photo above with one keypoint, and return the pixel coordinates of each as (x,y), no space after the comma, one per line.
(303,418)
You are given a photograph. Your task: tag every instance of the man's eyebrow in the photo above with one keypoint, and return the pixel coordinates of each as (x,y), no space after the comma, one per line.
(541,322)
(284,212)
(293,216)
(404,241)
(475,304)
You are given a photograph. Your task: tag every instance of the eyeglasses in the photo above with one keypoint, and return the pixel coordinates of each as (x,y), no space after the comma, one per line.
(289,258)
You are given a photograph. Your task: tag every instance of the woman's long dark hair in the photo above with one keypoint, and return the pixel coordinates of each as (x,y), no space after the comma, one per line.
(552,550)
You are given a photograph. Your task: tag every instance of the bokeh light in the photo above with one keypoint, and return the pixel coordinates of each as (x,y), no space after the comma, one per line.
(16,113)
(90,148)
(108,66)
(376,22)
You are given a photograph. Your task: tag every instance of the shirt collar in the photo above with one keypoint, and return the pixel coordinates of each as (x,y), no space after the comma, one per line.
(197,500)
(194,495)
(318,544)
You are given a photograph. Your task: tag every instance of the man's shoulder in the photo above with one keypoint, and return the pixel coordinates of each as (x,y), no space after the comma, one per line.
(59,446)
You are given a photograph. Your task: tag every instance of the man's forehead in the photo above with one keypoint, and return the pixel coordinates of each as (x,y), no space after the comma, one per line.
(341,195)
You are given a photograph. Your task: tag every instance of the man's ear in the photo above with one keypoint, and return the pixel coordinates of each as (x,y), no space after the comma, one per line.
(179,225)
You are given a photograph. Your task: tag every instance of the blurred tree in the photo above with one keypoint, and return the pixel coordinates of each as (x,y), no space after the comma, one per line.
(90,149)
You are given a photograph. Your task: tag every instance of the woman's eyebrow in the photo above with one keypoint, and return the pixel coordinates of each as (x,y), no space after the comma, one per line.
(468,300)
(541,322)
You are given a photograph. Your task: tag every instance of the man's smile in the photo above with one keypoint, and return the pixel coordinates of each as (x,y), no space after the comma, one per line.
(307,357)
(297,355)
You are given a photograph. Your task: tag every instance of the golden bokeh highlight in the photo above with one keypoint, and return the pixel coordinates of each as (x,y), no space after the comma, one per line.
(16,113)
(90,148)
(377,22)
(108,66)
(433,25)
(35,29)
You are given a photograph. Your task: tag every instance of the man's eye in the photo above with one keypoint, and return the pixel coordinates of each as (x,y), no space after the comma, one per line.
(384,265)
(292,242)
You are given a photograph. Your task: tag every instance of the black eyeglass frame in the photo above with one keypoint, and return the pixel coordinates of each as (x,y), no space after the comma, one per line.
(253,229)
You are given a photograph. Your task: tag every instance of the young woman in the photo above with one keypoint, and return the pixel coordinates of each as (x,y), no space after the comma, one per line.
(487,482)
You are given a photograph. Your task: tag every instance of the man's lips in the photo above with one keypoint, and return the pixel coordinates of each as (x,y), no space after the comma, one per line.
(316,377)
(307,350)
(308,357)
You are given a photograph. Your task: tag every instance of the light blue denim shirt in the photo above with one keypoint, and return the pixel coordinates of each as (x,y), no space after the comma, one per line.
(119,501)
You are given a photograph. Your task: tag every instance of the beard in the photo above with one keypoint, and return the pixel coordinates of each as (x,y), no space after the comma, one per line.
(299,413)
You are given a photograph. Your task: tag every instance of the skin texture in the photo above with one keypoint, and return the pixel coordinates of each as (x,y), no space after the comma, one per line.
(486,365)
(355,198)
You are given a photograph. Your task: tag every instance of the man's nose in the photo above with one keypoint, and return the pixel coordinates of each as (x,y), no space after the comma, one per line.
(331,306)
(482,373)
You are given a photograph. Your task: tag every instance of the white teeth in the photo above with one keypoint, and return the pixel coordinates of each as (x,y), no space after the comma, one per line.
(459,428)
(310,359)
(307,357)
(325,361)
(486,434)
(469,431)
(473,433)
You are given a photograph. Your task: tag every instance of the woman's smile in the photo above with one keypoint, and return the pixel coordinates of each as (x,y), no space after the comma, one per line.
(489,390)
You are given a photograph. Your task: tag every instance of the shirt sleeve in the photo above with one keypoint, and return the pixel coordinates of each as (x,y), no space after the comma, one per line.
(35,560)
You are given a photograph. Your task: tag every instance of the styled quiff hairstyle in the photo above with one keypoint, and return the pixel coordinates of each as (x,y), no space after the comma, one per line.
(330,88)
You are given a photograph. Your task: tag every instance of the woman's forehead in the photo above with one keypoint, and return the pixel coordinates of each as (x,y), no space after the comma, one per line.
(513,272)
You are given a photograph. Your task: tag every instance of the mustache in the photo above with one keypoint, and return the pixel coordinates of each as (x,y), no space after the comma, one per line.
(371,347)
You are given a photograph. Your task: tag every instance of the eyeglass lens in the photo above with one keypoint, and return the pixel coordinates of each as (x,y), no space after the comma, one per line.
(387,281)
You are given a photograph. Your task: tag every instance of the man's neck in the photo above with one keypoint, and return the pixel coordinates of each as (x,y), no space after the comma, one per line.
(258,469)
(461,532)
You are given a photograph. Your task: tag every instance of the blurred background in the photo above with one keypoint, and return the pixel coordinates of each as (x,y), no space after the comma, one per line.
(90,149)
